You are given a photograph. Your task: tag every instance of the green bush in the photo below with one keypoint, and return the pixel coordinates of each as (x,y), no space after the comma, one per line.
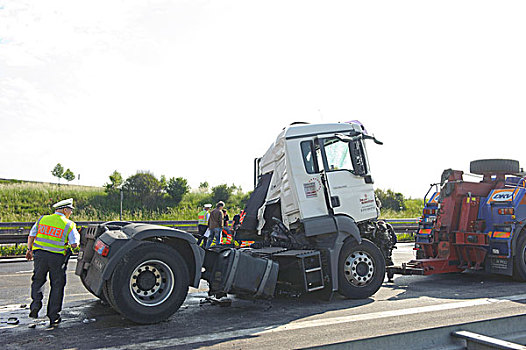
(11,250)
(20,250)
(413,210)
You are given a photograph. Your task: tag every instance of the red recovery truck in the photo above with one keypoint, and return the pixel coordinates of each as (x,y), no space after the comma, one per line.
(473,225)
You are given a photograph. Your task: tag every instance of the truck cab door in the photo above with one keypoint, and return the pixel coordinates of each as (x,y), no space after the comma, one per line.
(349,185)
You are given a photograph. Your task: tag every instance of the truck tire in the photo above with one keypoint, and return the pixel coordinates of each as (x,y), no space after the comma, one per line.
(149,284)
(494,166)
(108,297)
(519,261)
(361,269)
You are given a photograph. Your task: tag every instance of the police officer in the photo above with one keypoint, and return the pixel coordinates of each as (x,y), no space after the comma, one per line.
(202,222)
(47,243)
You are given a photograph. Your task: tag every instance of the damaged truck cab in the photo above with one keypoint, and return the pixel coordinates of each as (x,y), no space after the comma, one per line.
(312,216)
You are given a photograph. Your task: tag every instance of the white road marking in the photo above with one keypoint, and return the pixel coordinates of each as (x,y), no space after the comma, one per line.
(28,271)
(155,344)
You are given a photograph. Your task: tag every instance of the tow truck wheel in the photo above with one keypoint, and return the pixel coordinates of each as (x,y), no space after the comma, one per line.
(149,284)
(361,269)
(519,262)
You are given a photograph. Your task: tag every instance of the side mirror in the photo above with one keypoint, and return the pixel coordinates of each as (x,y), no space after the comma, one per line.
(348,139)
(344,138)
(378,142)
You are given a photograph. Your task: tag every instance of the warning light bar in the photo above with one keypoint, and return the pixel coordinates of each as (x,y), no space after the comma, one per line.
(430,211)
(506,211)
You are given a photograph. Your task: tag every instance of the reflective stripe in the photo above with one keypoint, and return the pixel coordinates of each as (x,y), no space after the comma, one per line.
(45,240)
(66,232)
(51,249)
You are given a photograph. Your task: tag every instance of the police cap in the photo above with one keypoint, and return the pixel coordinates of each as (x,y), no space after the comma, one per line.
(66,203)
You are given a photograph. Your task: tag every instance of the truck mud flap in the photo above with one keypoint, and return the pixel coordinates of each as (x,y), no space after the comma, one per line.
(236,272)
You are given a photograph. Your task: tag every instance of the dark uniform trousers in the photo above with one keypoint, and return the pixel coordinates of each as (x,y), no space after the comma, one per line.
(201,229)
(55,264)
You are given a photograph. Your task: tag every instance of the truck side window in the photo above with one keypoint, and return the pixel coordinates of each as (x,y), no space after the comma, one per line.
(309,157)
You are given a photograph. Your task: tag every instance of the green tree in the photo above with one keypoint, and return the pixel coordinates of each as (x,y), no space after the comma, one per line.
(221,193)
(58,171)
(177,188)
(391,200)
(145,188)
(68,175)
(115,181)
(164,183)
(239,199)
(203,187)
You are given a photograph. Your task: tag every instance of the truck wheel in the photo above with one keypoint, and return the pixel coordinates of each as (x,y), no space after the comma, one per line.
(494,166)
(361,269)
(519,261)
(108,297)
(149,284)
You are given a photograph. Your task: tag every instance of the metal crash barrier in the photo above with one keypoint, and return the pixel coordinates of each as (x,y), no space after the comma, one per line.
(17,232)
(498,333)
(475,341)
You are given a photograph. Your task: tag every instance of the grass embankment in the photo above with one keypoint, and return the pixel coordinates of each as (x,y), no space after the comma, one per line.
(27,201)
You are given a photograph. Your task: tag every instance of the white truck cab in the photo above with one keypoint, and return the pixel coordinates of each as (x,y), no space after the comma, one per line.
(319,170)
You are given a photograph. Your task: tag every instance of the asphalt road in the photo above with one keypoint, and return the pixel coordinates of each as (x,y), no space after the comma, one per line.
(410,303)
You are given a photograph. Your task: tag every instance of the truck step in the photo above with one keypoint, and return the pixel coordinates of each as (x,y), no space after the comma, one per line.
(313,273)
(304,269)
(313,270)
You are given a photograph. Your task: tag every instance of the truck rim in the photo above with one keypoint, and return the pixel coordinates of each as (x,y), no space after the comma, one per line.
(359,268)
(151,283)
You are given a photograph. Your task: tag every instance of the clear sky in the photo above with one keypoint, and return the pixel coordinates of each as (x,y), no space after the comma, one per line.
(198,89)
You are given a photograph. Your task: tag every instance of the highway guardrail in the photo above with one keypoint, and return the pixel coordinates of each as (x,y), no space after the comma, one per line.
(17,232)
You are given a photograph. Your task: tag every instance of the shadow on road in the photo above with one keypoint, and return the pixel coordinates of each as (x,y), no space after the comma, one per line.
(464,285)
(98,326)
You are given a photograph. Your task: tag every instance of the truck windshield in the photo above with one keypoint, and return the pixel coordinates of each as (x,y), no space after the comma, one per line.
(345,155)
(339,155)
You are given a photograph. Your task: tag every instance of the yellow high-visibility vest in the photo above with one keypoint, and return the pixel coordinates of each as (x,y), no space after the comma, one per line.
(52,233)
(202,218)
